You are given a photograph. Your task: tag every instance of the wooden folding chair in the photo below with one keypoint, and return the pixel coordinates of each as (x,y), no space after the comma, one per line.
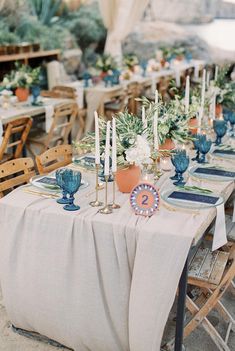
(116,105)
(54,158)
(64,92)
(212,274)
(63,121)
(14,173)
(15,136)
(133,91)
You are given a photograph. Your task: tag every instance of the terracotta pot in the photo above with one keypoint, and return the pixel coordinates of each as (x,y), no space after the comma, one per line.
(168,145)
(193,124)
(218,110)
(103,75)
(3,50)
(127,178)
(22,94)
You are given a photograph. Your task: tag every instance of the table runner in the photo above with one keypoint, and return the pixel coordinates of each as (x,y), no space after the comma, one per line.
(94,282)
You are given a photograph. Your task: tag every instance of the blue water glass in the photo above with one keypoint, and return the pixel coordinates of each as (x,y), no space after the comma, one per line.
(72,182)
(204,148)
(35,90)
(144,65)
(181,162)
(232,122)
(59,179)
(196,142)
(220,129)
(86,77)
(174,177)
(116,76)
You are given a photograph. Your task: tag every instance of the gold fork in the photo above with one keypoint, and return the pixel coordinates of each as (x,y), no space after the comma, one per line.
(42,194)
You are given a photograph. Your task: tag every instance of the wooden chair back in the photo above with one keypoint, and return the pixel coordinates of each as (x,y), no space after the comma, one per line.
(60,91)
(133,91)
(63,120)
(14,173)
(15,136)
(56,157)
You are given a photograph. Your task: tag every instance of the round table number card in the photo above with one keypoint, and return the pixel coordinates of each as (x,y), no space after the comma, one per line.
(144,199)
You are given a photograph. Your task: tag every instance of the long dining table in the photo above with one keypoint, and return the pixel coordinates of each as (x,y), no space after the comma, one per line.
(97,282)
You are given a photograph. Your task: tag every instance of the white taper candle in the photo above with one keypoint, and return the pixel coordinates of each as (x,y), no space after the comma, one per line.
(97,139)
(208,80)
(114,146)
(107,150)
(144,120)
(216,72)
(187,94)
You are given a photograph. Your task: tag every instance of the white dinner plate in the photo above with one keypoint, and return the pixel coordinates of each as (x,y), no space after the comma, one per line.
(190,203)
(213,177)
(52,188)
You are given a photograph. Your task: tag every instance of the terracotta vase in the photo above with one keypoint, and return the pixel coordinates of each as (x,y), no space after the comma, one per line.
(218,110)
(193,124)
(168,145)
(22,94)
(103,75)
(127,178)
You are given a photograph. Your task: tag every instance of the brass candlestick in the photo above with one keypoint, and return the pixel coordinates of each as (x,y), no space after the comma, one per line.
(113,204)
(96,203)
(106,209)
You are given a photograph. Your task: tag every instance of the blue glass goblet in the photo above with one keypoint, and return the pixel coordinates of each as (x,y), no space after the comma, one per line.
(181,161)
(60,182)
(174,177)
(220,129)
(72,182)
(196,142)
(232,122)
(35,90)
(204,148)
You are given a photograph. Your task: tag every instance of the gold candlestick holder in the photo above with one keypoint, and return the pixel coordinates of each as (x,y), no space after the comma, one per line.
(106,209)
(96,203)
(113,205)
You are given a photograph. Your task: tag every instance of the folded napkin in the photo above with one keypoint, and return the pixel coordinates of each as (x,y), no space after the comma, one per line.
(49,112)
(196,70)
(177,76)
(1,131)
(220,237)
(80,96)
(153,84)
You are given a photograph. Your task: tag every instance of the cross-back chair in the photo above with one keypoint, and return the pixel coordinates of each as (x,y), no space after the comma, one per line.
(54,158)
(133,91)
(15,136)
(14,173)
(64,92)
(63,121)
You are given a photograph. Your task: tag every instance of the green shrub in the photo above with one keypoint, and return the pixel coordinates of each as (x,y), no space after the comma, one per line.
(87,26)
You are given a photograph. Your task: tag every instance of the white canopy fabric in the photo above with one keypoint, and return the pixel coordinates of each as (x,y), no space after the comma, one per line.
(119,17)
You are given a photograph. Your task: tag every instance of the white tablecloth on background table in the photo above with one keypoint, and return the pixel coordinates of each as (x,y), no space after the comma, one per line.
(94,282)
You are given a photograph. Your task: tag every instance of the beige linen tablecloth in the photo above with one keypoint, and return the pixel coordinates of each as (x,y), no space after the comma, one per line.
(90,281)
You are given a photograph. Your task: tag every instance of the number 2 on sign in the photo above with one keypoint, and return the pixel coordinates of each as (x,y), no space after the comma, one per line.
(145,200)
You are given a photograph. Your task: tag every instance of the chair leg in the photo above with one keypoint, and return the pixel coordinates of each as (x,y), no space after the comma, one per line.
(225,314)
(218,340)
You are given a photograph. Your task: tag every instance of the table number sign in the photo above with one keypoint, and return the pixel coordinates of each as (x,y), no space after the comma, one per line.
(144,199)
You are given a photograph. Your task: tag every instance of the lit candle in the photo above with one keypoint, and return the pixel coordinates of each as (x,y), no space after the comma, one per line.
(216,72)
(187,89)
(208,80)
(97,139)
(114,147)
(107,150)
(144,120)
(201,111)
(155,130)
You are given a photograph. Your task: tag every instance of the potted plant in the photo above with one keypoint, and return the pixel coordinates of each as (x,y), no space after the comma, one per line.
(172,122)
(130,61)
(105,63)
(133,149)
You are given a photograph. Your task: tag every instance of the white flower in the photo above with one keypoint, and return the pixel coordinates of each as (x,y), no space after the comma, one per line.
(29,80)
(140,153)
